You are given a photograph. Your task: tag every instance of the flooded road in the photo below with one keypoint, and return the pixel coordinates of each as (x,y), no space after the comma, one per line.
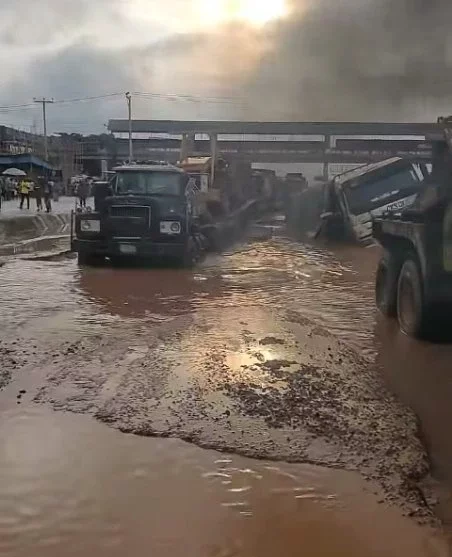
(85,489)
(272,350)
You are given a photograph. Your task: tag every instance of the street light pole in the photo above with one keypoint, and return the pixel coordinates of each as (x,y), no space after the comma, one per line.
(129,105)
(44,103)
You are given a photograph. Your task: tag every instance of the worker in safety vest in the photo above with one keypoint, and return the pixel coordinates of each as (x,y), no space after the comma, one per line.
(24,192)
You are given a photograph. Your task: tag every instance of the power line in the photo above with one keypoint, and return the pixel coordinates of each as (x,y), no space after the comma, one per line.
(142,94)
(29,106)
(16,110)
(16,106)
(93,98)
(190,98)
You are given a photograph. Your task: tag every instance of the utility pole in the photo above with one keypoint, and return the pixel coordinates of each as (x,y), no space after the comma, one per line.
(44,103)
(129,105)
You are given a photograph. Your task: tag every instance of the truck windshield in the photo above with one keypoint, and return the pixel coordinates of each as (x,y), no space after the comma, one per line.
(148,183)
(381,188)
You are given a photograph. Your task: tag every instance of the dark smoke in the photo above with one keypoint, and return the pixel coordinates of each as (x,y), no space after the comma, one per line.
(358,60)
(330,60)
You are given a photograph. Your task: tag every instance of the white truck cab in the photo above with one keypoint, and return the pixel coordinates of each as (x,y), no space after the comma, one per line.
(375,189)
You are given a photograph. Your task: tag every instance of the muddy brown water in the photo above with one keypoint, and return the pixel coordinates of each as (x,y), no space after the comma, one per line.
(72,486)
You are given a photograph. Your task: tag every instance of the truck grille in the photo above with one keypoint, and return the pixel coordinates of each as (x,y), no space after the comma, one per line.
(133,211)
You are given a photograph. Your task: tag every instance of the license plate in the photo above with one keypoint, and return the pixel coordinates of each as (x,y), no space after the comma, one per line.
(127,249)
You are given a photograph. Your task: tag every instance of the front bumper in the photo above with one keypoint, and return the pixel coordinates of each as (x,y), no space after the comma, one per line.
(129,248)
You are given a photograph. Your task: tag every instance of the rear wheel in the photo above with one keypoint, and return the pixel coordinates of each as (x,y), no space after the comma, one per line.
(386,283)
(411,312)
(89,259)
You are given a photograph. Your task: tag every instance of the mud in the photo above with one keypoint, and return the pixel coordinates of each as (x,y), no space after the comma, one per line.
(161,353)
(265,351)
(321,404)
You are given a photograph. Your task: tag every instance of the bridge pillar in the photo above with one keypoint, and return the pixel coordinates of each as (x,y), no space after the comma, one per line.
(187,146)
(328,143)
(213,154)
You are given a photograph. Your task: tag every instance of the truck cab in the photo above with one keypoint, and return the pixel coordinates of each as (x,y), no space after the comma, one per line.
(372,190)
(342,209)
(145,211)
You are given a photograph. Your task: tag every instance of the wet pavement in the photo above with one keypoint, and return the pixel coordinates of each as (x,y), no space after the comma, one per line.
(72,487)
(272,350)
(11,209)
(29,231)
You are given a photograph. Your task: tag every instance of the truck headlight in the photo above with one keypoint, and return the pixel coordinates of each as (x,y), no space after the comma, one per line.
(89,225)
(170,227)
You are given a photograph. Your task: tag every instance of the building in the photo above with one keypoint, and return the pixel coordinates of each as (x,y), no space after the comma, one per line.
(26,151)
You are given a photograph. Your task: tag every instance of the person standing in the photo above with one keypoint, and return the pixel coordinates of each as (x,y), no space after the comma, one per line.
(2,190)
(24,191)
(38,193)
(83,191)
(5,188)
(56,191)
(48,196)
(10,189)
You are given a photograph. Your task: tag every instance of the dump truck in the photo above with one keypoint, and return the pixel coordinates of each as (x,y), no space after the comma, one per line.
(226,195)
(151,209)
(414,275)
(224,184)
(343,208)
(145,211)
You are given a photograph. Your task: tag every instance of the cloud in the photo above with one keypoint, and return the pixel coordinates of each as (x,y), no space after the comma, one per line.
(200,64)
(30,23)
(331,59)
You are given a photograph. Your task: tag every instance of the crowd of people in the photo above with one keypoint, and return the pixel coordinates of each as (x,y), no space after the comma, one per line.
(41,189)
(8,188)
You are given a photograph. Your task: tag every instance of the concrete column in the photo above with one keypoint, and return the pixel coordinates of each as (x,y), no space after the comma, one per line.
(213,154)
(187,145)
(328,143)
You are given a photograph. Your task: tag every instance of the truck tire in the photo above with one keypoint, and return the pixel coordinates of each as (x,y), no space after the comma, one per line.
(411,312)
(88,259)
(386,284)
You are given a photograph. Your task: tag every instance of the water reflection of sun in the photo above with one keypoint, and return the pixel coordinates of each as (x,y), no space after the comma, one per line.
(254,12)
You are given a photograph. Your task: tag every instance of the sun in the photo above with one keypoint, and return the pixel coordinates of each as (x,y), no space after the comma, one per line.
(259,12)
(254,12)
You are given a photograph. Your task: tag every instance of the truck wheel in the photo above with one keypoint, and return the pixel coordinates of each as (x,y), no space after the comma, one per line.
(410,301)
(386,283)
(88,259)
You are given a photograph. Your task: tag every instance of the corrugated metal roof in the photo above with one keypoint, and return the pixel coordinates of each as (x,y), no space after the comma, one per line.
(24,159)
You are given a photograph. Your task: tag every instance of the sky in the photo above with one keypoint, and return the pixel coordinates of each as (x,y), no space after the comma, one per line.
(241,59)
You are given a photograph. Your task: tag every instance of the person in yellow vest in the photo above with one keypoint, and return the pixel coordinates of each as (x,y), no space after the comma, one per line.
(24,192)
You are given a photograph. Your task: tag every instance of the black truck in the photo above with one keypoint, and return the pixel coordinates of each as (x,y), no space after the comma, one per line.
(144,211)
(414,276)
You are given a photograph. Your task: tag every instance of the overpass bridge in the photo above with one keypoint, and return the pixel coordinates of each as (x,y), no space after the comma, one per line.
(277,142)
(273,128)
